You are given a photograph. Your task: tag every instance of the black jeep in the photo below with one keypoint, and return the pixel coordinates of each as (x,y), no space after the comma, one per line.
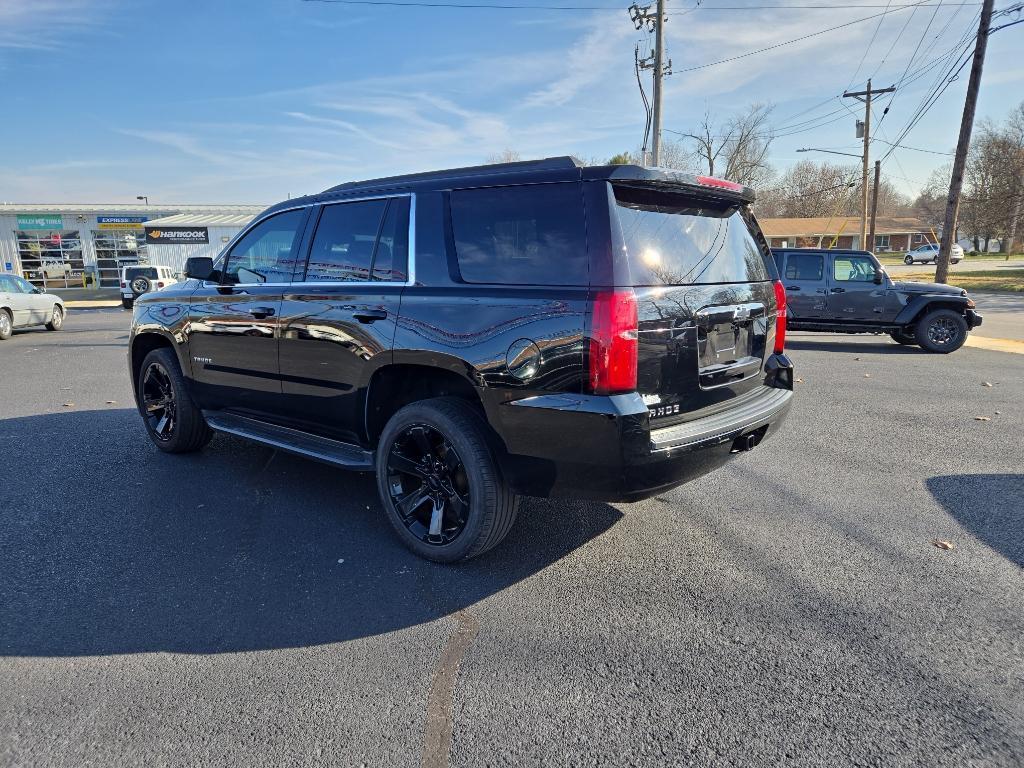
(843,291)
(479,334)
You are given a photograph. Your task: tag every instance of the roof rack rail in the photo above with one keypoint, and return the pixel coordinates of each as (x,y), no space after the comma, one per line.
(547,164)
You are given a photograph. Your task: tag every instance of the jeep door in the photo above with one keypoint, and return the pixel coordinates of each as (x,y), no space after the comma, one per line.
(853,295)
(338,319)
(803,276)
(234,323)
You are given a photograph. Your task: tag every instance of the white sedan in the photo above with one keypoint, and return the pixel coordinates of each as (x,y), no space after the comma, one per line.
(22,304)
(930,253)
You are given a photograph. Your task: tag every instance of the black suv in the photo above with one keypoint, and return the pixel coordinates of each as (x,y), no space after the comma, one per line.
(479,334)
(843,291)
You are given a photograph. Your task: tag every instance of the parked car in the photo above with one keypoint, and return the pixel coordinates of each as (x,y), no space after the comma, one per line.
(23,305)
(840,291)
(930,253)
(480,334)
(137,280)
(51,269)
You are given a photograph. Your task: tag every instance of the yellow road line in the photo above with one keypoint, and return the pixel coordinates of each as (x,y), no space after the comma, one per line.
(996,345)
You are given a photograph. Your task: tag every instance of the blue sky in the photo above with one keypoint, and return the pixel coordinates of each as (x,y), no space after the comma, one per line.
(251,102)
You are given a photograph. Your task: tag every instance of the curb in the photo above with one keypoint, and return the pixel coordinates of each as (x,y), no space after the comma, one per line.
(92,304)
(995,345)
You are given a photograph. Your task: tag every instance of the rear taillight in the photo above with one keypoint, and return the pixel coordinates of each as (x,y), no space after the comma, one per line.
(160,285)
(613,343)
(780,317)
(124,284)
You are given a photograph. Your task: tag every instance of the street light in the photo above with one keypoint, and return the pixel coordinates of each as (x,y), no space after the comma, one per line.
(143,197)
(830,151)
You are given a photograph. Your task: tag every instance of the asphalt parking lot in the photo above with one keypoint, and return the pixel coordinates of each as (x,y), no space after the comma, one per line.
(244,607)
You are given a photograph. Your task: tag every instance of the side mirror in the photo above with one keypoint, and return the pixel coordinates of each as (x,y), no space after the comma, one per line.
(199,267)
(879,277)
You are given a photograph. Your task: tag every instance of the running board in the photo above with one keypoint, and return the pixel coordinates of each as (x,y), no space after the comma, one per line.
(293,441)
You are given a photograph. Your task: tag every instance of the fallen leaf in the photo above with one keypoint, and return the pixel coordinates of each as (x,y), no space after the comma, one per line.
(942,544)
(982,418)
(856,358)
(69,405)
(986,383)
(799,381)
(111,402)
(998,412)
(867,375)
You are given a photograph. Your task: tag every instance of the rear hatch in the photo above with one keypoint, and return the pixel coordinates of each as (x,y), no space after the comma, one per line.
(705,300)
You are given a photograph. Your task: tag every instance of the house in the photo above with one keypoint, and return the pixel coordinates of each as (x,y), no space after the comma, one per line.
(892,233)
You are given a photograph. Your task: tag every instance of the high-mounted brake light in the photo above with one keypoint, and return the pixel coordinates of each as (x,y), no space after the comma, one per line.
(711,181)
(780,317)
(613,343)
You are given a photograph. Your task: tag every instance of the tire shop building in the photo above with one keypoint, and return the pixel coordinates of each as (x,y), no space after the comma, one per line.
(172,239)
(70,245)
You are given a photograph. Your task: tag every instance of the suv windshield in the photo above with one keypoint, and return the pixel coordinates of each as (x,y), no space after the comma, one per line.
(673,238)
(132,272)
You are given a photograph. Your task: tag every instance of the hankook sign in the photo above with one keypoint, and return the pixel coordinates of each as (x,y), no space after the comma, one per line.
(176,235)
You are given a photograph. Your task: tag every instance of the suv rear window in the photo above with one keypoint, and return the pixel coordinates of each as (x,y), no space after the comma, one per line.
(132,272)
(675,239)
(532,234)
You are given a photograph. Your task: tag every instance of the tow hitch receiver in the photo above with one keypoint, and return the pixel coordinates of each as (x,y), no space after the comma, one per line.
(749,440)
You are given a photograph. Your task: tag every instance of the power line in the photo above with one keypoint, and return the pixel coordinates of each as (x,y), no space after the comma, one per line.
(616,9)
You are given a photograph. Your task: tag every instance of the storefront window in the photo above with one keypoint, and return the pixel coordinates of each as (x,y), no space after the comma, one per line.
(115,249)
(51,259)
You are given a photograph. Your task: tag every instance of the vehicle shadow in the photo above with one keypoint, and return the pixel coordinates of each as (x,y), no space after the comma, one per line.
(871,344)
(109,546)
(988,507)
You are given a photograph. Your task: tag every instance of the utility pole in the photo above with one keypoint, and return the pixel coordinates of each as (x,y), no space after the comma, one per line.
(641,17)
(659,58)
(865,97)
(874,203)
(956,181)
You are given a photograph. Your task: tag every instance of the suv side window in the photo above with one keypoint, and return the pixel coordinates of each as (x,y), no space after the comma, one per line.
(853,269)
(266,254)
(533,234)
(805,266)
(360,241)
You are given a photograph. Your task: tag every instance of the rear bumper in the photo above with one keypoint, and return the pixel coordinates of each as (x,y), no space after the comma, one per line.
(603,448)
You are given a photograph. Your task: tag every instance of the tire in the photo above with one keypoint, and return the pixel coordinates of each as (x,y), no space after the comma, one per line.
(477,508)
(140,285)
(6,325)
(903,338)
(941,331)
(56,319)
(185,428)
(908,260)
(127,303)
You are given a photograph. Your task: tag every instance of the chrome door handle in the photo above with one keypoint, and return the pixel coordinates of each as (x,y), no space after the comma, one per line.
(261,312)
(792,287)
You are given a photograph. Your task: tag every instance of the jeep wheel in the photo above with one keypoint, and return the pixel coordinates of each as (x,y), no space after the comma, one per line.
(56,319)
(140,285)
(173,421)
(907,339)
(908,259)
(6,326)
(439,483)
(941,330)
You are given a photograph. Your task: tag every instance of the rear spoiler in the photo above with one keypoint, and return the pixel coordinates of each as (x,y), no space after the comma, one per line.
(671,180)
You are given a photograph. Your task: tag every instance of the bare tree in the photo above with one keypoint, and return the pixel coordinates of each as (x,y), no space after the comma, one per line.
(505,156)
(736,149)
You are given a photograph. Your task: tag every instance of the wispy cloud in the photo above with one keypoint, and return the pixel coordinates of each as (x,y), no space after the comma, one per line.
(45,24)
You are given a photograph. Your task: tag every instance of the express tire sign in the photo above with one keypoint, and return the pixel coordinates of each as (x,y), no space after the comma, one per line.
(177,235)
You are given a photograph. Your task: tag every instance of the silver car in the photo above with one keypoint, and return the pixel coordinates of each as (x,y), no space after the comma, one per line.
(929,252)
(22,304)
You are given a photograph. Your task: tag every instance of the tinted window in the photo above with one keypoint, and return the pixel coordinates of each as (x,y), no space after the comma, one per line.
(266,254)
(392,256)
(805,266)
(132,272)
(525,235)
(856,269)
(344,241)
(674,239)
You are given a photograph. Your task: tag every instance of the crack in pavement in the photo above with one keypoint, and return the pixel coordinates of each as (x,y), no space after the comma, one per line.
(437,738)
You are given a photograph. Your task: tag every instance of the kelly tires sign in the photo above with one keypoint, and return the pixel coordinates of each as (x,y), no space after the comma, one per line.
(177,235)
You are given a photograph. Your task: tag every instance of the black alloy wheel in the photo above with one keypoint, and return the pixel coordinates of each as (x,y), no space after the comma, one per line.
(158,401)
(942,331)
(428,484)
